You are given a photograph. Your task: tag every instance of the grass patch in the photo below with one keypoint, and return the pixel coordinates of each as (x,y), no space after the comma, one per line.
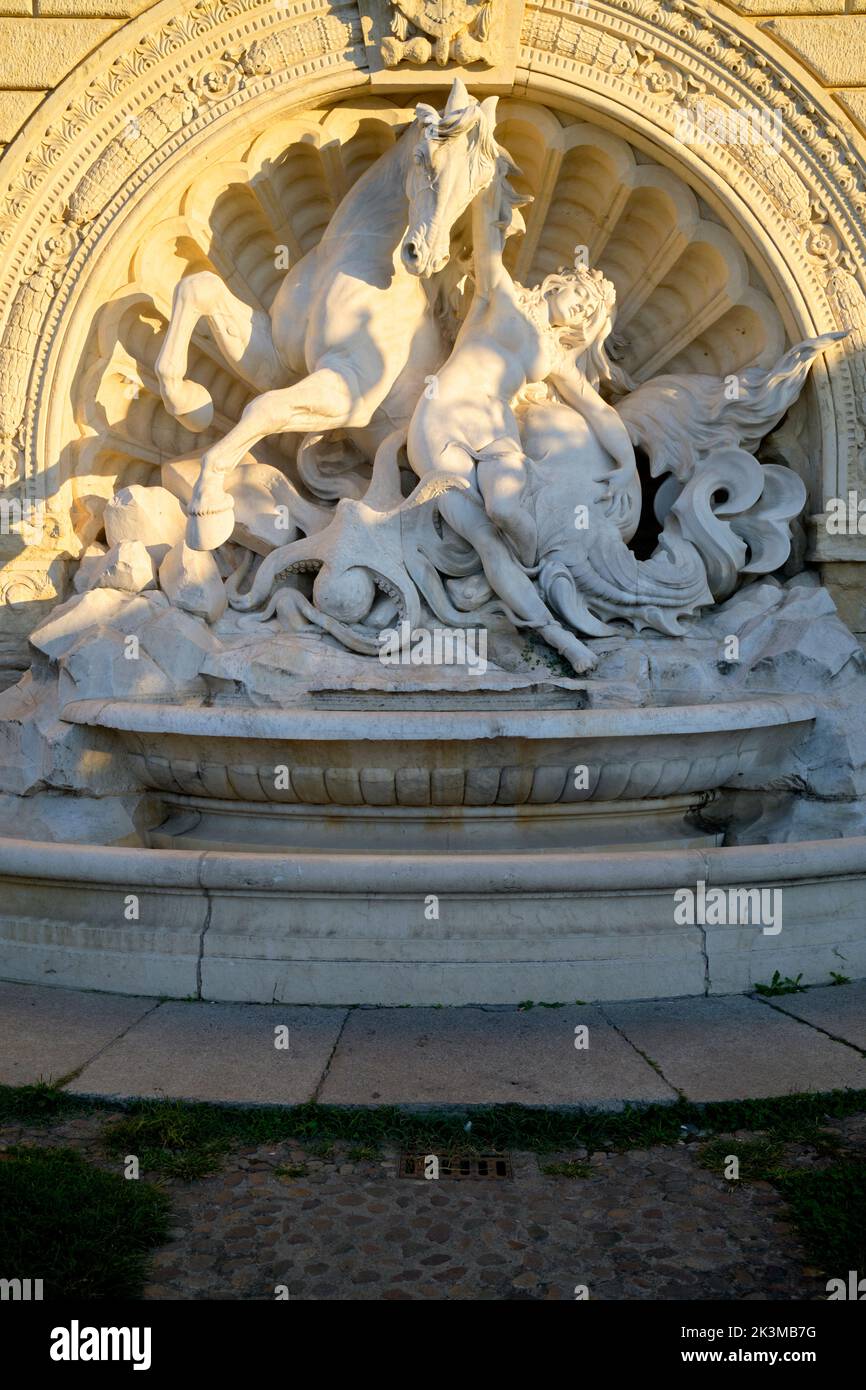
(566,1170)
(292,1171)
(170,1138)
(828,1207)
(41,1103)
(181,1139)
(363,1153)
(85,1233)
(162,1131)
(759,1159)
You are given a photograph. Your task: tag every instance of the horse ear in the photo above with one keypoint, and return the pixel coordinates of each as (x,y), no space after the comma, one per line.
(427,115)
(458,98)
(488,106)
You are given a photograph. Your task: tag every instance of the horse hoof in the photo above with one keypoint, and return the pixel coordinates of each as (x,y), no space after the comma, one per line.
(210,530)
(191,405)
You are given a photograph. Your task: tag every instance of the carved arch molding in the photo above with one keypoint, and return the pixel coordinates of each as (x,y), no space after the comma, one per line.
(117,149)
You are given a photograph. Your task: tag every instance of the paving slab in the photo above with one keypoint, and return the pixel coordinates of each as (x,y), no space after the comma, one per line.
(218,1052)
(470,1056)
(46,1033)
(733,1048)
(837,1009)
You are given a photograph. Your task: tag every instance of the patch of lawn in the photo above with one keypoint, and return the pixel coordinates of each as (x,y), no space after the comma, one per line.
(168,1137)
(40,1103)
(828,1207)
(758,1158)
(188,1140)
(85,1233)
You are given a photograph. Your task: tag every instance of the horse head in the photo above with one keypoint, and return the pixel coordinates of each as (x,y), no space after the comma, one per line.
(454,158)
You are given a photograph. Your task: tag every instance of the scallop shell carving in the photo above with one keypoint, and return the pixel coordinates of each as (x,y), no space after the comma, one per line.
(688,298)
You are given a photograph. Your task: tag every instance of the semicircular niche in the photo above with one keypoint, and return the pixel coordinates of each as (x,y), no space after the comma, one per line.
(688,298)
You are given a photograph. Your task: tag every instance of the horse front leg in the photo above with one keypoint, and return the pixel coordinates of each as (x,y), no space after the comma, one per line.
(325,400)
(243,335)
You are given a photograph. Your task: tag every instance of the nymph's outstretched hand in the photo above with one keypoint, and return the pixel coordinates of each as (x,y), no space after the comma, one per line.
(616,494)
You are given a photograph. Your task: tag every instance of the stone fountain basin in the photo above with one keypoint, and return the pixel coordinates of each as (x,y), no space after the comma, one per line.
(327,919)
(452,757)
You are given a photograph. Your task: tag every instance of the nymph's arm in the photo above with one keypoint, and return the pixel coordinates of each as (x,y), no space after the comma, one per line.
(601,417)
(488,240)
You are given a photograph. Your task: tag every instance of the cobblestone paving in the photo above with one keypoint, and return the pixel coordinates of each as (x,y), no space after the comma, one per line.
(645,1224)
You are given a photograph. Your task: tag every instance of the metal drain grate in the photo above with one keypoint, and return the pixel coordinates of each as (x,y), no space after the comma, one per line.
(464,1167)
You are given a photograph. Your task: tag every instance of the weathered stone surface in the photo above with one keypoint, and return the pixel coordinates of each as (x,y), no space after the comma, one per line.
(89,9)
(766,1053)
(38,53)
(151,515)
(71,620)
(475,1056)
(833,46)
(89,566)
(127,566)
(107,662)
(179,644)
(47,1033)
(218,1052)
(854,102)
(792,7)
(191,580)
(15,107)
(839,1010)
(38,749)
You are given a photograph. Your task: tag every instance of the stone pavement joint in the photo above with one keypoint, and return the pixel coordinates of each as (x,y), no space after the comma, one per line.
(812,1004)
(700,1049)
(327,1067)
(650,1061)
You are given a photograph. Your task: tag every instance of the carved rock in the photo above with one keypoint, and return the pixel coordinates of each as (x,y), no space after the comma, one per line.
(127,566)
(83,613)
(150,515)
(89,566)
(191,581)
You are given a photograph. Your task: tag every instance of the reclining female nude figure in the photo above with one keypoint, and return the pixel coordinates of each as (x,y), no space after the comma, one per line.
(467,427)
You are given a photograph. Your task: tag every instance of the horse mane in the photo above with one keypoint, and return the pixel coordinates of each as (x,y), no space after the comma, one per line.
(462,114)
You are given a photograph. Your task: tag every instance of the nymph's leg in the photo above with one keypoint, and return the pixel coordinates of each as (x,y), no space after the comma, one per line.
(465,514)
(501,479)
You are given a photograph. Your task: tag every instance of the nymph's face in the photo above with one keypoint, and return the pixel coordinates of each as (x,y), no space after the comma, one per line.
(586,322)
(566,306)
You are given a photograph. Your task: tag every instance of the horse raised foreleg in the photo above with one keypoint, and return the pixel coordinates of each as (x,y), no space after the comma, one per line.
(325,400)
(243,335)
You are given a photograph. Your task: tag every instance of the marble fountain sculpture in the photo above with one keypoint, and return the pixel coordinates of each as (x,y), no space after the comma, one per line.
(448,700)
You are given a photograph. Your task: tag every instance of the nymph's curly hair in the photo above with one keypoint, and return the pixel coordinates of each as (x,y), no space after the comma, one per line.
(597,303)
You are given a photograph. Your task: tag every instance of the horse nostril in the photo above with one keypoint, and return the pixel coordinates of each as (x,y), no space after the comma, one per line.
(411,250)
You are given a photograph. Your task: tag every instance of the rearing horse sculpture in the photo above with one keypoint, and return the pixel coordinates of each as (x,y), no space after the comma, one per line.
(352,319)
